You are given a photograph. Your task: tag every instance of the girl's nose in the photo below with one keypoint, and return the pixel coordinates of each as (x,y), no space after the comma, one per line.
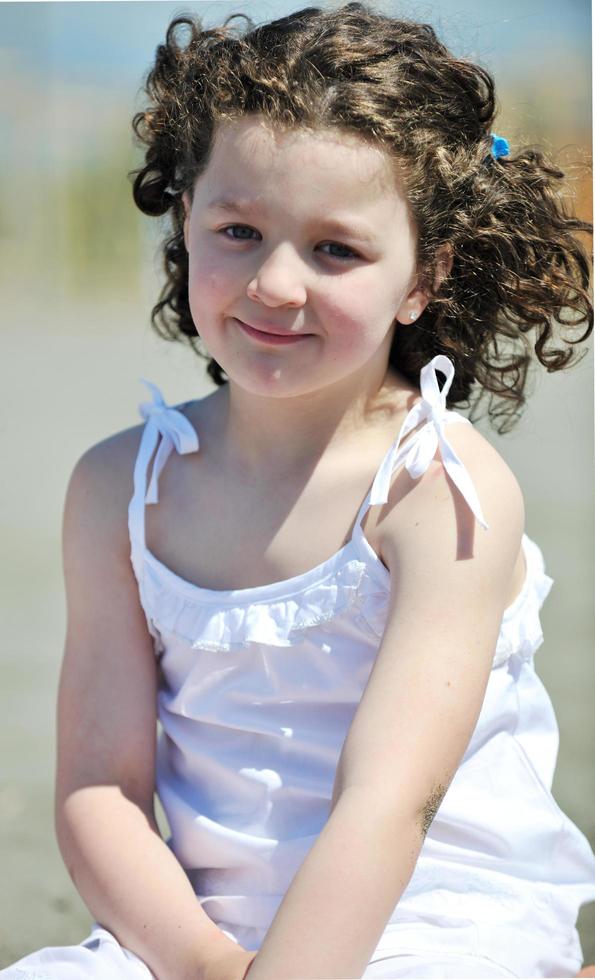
(278,282)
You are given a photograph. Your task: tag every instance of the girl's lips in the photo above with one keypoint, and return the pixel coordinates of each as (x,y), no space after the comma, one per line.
(271,338)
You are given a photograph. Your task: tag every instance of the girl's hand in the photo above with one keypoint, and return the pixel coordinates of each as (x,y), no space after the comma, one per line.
(230,964)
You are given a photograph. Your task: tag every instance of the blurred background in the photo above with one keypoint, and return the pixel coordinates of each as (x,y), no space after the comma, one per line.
(79,273)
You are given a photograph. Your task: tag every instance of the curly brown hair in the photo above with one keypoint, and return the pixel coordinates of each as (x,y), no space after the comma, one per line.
(516,263)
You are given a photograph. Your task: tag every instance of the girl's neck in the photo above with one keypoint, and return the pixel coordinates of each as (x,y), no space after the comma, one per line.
(277,437)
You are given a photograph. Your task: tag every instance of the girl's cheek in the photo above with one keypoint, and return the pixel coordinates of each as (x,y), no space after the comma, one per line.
(208,281)
(351,317)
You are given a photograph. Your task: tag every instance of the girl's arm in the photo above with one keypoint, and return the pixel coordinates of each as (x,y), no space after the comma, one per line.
(450,584)
(106,721)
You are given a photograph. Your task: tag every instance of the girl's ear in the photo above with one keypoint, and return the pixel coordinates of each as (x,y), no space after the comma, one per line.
(187,207)
(417,300)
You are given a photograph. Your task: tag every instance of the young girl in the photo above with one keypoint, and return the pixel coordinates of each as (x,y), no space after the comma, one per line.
(355,754)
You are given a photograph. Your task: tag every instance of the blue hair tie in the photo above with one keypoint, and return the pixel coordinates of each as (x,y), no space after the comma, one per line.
(500,147)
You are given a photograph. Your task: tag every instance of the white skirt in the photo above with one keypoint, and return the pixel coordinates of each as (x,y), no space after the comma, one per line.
(101,957)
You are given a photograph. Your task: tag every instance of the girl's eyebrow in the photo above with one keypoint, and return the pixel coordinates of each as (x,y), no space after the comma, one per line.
(227,204)
(352,229)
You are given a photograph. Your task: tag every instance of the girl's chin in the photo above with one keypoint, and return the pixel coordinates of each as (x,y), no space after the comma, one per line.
(276,380)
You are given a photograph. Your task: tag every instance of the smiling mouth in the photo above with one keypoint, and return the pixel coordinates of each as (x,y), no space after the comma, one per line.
(269,337)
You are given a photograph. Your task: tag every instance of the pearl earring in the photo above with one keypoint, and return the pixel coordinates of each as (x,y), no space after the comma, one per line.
(412,316)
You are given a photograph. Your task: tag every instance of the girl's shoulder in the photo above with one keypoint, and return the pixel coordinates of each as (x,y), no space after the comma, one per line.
(104,473)
(491,473)
(479,454)
(429,512)
(111,460)
(463,443)
(101,483)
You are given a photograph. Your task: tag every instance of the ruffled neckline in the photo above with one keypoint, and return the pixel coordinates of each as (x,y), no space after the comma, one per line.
(354,578)
(274,622)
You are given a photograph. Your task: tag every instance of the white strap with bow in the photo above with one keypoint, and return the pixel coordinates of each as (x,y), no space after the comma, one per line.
(425,442)
(175,430)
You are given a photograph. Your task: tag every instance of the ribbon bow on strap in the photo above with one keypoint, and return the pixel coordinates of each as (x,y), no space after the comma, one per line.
(424,442)
(175,430)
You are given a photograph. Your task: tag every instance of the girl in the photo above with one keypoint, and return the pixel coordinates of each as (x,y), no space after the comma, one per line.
(356,754)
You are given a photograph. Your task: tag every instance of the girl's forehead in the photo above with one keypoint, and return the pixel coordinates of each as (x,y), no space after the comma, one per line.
(255,132)
(256,150)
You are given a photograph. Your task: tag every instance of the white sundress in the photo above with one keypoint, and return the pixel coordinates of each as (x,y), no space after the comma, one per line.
(247,754)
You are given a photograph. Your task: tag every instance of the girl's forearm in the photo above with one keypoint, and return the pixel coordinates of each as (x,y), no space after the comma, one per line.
(342,896)
(134,886)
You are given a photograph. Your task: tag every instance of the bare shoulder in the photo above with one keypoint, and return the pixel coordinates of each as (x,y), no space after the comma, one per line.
(499,491)
(496,483)
(114,453)
(430,517)
(102,480)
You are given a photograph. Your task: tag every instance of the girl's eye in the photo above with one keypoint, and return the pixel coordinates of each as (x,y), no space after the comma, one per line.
(351,254)
(241,239)
(245,238)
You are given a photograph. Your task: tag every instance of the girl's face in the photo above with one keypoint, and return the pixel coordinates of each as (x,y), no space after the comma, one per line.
(303,235)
